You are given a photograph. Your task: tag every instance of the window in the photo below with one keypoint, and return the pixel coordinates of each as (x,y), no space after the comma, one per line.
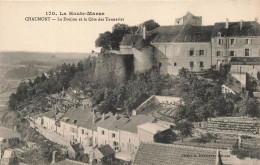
(113,135)
(201,64)
(218,53)
(82,131)
(201,52)
(220,41)
(247,41)
(129,141)
(103,132)
(175,64)
(4,141)
(246,52)
(232,41)
(191,52)
(191,64)
(232,53)
(115,143)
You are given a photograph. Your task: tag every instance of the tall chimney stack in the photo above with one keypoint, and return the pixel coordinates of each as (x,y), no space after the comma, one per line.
(227,21)
(144,32)
(103,116)
(53,157)
(241,24)
(94,119)
(15,128)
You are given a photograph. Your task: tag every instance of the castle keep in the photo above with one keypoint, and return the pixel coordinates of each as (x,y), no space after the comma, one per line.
(190,45)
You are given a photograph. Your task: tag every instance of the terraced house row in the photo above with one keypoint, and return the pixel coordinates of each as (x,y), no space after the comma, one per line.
(189,44)
(91,129)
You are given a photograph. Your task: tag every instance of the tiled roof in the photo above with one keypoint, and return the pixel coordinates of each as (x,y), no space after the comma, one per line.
(244,61)
(249,28)
(8,133)
(112,122)
(134,121)
(82,117)
(106,150)
(136,40)
(153,127)
(69,162)
(185,33)
(77,147)
(168,154)
(50,114)
(234,84)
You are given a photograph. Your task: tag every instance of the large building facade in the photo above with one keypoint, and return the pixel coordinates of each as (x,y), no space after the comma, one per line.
(190,45)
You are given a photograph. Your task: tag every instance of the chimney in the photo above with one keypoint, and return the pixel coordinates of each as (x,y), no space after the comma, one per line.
(133,112)
(144,32)
(0,150)
(103,116)
(15,128)
(241,24)
(256,19)
(116,116)
(227,21)
(53,157)
(94,119)
(218,158)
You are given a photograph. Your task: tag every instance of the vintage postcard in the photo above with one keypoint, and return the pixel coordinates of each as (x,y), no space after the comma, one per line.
(132,82)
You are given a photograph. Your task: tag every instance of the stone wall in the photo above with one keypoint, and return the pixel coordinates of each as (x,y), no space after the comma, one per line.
(113,68)
(171,57)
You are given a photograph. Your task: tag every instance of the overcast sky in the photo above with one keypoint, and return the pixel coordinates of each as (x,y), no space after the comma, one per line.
(18,35)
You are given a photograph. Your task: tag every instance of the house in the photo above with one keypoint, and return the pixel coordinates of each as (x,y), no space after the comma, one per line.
(75,150)
(8,137)
(9,158)
(191,45)
(108,130)
(234,84)
(101,154)
(129,137)
(148,130)
(164,101)
(49,121)
(250,65)
(169,154)
(80,124)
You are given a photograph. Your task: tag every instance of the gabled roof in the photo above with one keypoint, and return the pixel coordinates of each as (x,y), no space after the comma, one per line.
(106,150)
(233,84)
(168,154)
(82,117)
(50,114)
(69,162)
(185,33)
(134,121)
(249,28)
(244,61)
(153,127)
(112,122)
(77,147)
(8,133)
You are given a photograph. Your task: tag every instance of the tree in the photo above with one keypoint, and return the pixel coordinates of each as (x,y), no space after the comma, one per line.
(104,40)
(249,106)
(185,127)
(118,32)
(150,25)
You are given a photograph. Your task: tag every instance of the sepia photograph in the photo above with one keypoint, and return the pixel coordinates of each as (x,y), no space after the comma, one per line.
(130,82)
